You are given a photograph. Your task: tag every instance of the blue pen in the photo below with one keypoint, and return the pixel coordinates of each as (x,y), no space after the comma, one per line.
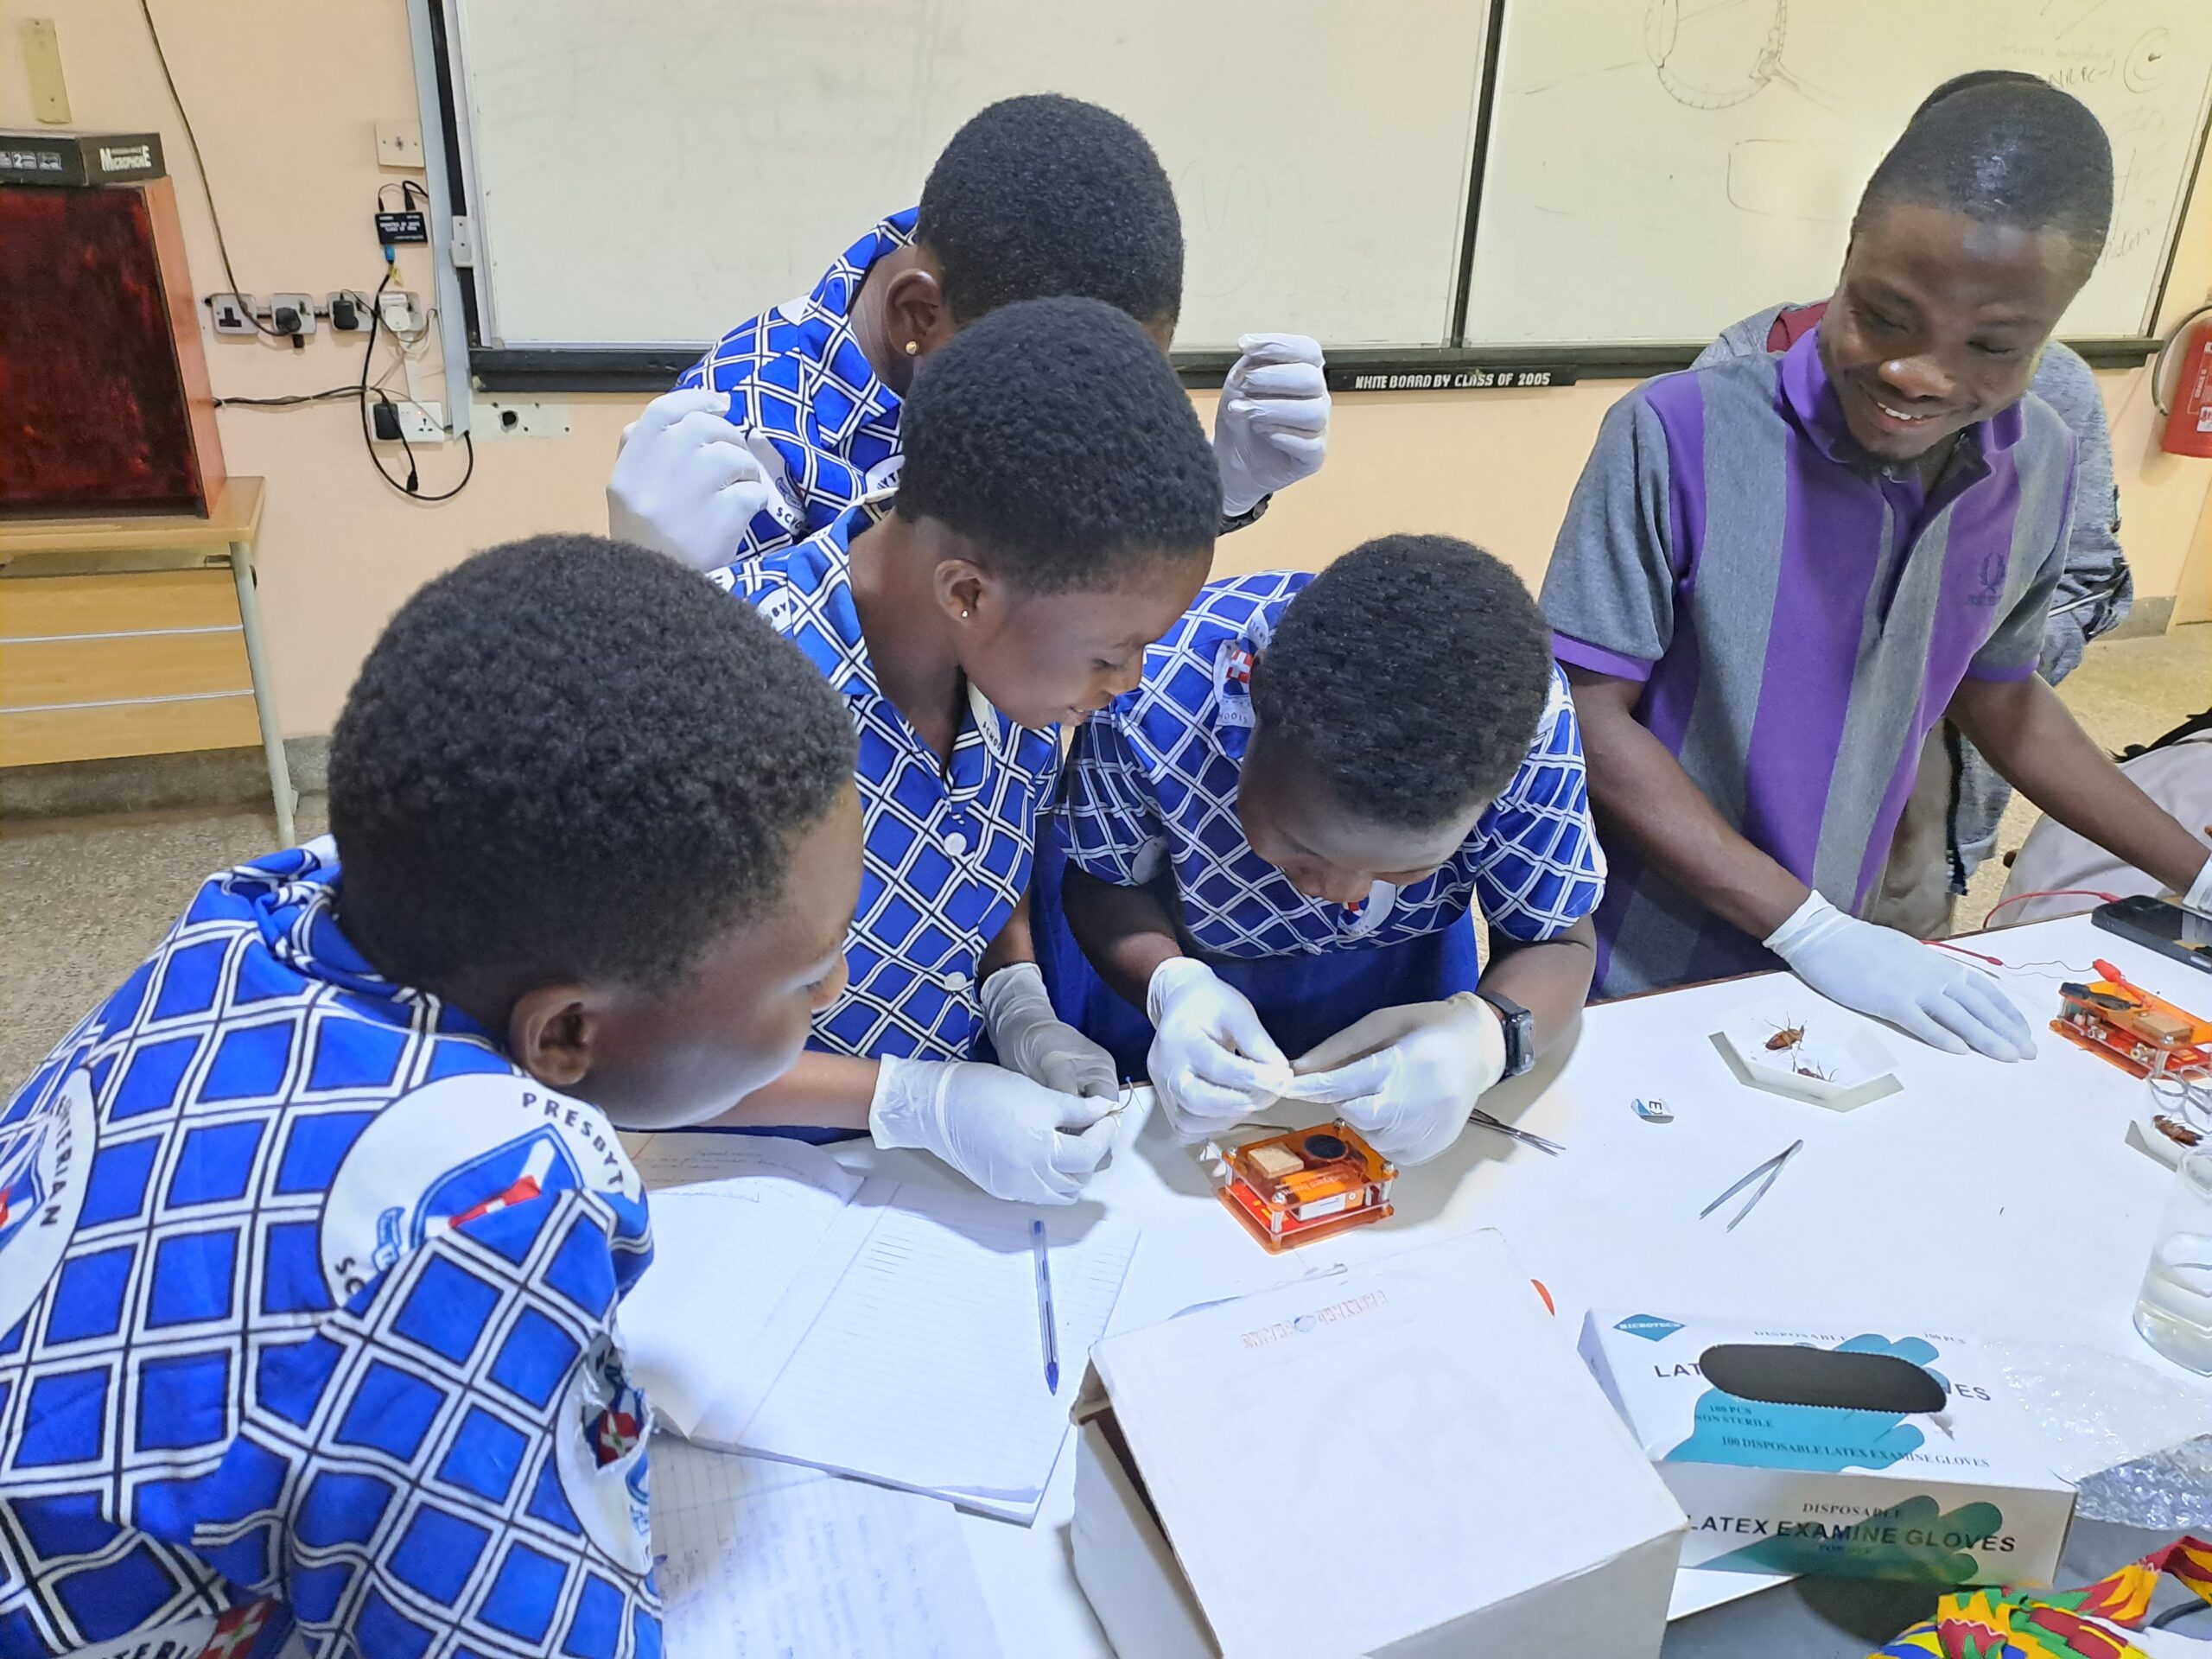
(1045,1307)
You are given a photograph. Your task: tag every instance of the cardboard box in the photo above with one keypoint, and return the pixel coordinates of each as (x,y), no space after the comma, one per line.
(1964,1496)
(1403,1458)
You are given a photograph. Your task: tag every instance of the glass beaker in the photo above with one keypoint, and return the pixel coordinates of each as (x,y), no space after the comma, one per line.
(2173,1311)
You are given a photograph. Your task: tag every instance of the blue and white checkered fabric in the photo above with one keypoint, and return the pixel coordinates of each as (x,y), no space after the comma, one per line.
(949,846)
(797,372)
(1151,781)
(308,1298)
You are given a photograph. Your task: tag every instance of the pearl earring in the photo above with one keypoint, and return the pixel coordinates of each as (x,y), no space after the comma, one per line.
(967,612)
(913,348)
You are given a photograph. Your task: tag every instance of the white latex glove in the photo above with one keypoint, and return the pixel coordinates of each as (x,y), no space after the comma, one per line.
(1014,1138)
(2199,896)
(1894,977)
(1406,1078)
(1212,1063)
(1272,427)
(1037,1042)
(687,483)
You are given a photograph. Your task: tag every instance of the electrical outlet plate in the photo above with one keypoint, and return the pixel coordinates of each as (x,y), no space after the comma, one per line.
(400,312)
(303,304)
(399,144)
(519,417)
(420,423)
(232,314)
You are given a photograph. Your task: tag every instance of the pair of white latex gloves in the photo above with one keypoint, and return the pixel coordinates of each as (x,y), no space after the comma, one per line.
(1035,1127)
(1929,994)
(689,484)
(1405,1077)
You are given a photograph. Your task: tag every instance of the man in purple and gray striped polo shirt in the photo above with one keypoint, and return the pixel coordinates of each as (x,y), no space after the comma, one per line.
(1778,573)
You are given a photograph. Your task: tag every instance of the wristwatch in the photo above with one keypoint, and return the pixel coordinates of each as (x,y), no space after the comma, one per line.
(1520,1031)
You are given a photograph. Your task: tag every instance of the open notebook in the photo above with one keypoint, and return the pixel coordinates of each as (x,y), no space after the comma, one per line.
(796,1310)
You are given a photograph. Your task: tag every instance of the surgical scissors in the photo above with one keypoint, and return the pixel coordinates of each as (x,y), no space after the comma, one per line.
(1487,1121)
(1771,1168)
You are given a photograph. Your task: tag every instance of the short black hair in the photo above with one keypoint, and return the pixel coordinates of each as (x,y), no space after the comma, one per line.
(1055,436)
(1411,673)
(570,757)
(1974,78)
(1041,196)
(2006,150)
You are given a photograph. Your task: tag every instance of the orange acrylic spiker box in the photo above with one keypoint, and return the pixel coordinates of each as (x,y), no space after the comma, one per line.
(2122,1022)
(1291,1189)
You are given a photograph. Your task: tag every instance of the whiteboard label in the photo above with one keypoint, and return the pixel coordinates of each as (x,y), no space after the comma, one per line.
(1466,377)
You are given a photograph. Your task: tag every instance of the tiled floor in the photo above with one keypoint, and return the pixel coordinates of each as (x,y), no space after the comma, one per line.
(83,900)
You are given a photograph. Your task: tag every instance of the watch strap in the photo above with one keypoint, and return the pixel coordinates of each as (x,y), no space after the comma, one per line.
(1520,1031)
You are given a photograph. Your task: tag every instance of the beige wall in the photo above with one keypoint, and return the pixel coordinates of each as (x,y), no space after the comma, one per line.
(285,97)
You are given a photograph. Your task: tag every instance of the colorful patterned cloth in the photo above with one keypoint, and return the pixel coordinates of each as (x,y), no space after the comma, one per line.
(2054,1625)
(307,1317)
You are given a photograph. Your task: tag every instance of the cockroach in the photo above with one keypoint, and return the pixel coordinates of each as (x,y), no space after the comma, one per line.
(2181,1133)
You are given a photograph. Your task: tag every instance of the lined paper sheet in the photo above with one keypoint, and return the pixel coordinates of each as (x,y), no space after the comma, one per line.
(763,1559)
(925,1367)
(725,1253)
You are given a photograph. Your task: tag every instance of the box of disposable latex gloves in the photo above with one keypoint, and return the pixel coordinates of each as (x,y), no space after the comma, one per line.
(1401,1457)
(1858,1454)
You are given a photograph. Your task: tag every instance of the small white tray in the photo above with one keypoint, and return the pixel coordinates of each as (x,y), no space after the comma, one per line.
(2146,1136)
(1840,1060)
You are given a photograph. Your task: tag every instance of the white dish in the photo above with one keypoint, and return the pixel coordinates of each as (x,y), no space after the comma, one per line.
(2187,1103)
(1808,1050)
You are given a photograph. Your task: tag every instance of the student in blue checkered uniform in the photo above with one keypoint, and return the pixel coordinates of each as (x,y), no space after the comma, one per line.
(312,1235)
(1056,515)
(1276,844)
(795,415)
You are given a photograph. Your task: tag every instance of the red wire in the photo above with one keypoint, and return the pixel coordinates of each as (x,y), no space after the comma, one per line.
(1945,944)
(2052,892)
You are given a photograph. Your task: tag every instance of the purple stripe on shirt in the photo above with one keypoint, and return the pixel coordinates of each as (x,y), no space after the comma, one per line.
(1718,952)
(1670,685)
(1581,654)
(1977,557)
(1723,951)
(1671,692)
(1831,537)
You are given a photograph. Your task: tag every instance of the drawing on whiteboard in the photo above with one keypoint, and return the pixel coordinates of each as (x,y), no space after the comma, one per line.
(1789,178)
(2142,155)
(1720,53)
(2146,65)
(1236,212)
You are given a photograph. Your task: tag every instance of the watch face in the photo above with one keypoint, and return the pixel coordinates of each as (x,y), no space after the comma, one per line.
(1520,1031)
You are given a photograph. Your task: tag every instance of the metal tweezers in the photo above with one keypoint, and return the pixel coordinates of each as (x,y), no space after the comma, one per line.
(1487,1121)
(1771,1168)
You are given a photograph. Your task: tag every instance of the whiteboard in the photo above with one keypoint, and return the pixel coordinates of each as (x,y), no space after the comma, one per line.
(650,172)
(1657,168)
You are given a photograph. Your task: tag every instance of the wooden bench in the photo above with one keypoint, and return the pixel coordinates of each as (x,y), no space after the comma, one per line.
(137,636)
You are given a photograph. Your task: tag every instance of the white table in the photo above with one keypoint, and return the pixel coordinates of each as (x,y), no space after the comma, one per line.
(1998,1200)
